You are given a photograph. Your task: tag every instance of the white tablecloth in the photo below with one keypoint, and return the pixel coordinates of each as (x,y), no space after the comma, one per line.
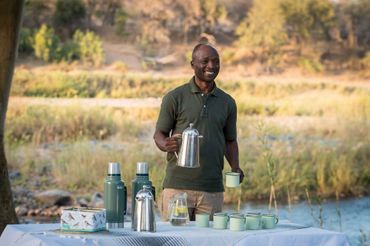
(285,234)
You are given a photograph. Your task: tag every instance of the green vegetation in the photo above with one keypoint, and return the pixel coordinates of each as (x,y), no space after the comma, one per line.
(47,46)
(90,48)
(316,133)
(254,33)
(314,35)
(69,15)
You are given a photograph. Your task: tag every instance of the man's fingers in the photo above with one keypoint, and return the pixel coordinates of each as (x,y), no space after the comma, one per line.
(176,135)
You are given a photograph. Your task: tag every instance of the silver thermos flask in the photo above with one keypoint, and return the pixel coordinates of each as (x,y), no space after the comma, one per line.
(144,217)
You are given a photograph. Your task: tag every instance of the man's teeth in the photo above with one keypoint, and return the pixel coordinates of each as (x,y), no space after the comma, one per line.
(210,73)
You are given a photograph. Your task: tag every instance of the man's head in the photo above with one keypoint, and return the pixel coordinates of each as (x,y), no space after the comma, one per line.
(205,62)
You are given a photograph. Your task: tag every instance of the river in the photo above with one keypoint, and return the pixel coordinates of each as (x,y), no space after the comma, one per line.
(350,216)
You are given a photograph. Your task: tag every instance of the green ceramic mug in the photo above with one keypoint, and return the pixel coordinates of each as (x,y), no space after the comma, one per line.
(220,220)
(232,179)
(253,221)
(237,222)
(202,220)
(269,221)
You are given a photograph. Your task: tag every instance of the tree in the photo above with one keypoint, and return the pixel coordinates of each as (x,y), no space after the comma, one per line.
(10,18)
(308,19)
(359,12)
(263,28)
(69,15)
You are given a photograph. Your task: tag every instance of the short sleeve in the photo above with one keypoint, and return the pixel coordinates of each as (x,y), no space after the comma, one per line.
(167,114)
(230,131)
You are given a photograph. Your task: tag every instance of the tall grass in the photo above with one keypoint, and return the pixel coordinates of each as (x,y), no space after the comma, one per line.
(317,133)
(68,143)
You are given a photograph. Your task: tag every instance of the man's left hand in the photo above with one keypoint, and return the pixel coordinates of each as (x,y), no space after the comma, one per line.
(239,170)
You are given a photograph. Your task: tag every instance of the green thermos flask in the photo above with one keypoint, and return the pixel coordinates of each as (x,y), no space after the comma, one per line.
(141,179)
(115,197)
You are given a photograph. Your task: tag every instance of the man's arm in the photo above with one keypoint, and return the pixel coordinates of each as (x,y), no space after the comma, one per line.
(164,142)
(232,156)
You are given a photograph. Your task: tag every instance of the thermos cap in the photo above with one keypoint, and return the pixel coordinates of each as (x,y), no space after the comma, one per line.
(142,168)
(113,168)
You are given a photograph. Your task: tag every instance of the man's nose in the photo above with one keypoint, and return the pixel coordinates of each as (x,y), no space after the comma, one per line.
(212,64)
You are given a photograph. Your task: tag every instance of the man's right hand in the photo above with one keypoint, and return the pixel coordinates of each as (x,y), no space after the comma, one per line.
(172,143)
(166,143)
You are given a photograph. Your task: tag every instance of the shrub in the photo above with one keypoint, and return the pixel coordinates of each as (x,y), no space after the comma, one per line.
(46,44)
(120,21)
(90,47)
(310,65)
(69,51)
(26,40)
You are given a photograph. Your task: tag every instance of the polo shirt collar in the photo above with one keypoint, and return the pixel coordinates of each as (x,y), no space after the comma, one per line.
(195,89)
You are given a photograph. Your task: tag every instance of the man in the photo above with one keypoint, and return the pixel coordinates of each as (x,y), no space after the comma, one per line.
(213,113)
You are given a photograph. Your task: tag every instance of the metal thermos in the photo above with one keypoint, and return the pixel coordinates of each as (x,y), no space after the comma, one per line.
(144,217)
(115,197)
(141,179)
(189,150)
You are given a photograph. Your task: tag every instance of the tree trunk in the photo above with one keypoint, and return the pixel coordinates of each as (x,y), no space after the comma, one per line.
(10,19)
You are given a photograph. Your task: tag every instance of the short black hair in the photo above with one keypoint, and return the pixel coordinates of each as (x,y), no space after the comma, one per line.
(198,46)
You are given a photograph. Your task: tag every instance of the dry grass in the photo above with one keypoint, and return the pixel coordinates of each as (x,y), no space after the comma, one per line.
(317,133)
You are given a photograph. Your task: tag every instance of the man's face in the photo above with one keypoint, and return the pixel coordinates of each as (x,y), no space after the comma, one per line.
(206,63)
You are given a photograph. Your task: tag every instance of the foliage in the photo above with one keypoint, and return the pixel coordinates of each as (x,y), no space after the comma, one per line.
(46,44)
(120,22)
(37,13)
(90,47)
(69,51)
(308,18)
(26,40)
(304,157)
(264,28)
(69,15)
(310,65)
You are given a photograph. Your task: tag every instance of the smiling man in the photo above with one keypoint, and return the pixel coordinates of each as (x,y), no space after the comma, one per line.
(213,113)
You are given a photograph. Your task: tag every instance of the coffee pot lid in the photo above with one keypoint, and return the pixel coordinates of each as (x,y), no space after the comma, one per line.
(144,193)
(191,130)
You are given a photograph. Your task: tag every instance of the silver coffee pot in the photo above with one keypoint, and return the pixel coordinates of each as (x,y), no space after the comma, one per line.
(189,150)
(144,217)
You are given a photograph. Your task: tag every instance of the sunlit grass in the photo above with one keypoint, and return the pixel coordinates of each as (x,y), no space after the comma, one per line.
(318,134)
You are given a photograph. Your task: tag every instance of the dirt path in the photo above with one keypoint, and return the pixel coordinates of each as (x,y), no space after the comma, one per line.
(87,102)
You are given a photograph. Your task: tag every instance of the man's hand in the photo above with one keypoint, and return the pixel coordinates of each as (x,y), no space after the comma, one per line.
(166,143)
(238,170)
(171,144)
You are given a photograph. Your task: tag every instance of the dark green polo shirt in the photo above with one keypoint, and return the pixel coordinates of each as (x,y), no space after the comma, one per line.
(214,116)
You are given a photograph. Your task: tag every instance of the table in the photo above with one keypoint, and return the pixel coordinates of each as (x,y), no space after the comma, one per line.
(285,233)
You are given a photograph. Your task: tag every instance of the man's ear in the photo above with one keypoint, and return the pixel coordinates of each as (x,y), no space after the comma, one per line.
(191,63)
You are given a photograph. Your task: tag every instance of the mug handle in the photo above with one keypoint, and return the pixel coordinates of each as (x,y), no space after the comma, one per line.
(260,223)
(276,220)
